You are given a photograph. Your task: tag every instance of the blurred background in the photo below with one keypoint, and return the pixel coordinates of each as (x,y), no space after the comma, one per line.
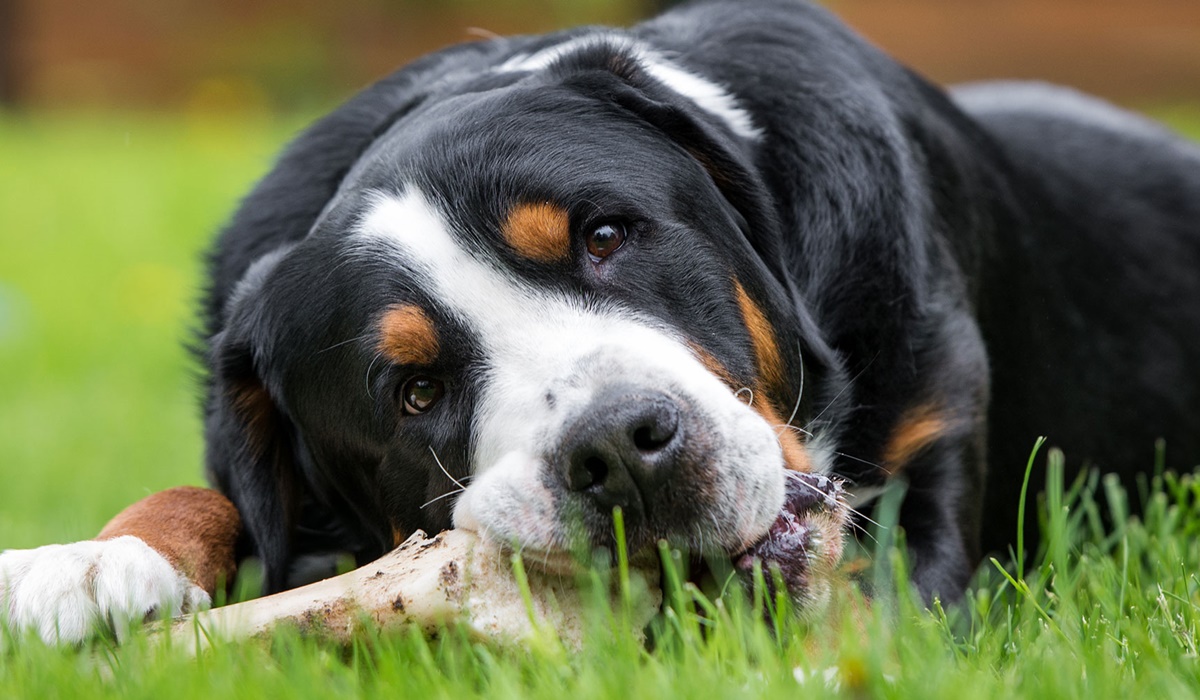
(129,128)
(289,54)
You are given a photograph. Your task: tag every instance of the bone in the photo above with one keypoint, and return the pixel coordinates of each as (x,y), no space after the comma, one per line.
(427,583)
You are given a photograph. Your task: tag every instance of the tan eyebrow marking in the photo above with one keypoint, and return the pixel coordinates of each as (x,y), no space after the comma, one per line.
(540,232)
(918,428)
(407,336)
(762,337)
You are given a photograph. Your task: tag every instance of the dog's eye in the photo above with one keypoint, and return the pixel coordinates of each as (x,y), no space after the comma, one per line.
(604,240)
(421,393)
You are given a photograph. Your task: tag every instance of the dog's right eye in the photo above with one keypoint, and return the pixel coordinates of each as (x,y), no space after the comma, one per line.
(603,240)
(421,393)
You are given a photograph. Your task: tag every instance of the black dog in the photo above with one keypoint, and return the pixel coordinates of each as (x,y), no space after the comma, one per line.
(657,269)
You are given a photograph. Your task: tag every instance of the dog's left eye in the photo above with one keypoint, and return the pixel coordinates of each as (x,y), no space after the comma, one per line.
(604,240)
(421,393)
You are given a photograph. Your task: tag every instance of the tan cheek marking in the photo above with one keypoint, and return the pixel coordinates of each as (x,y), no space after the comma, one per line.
(193,528)
(795,457)
(540,232)
(917,429)
(762,337)
(407,336)
(714,366)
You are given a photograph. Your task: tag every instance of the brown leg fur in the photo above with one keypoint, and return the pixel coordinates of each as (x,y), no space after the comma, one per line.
(193,528)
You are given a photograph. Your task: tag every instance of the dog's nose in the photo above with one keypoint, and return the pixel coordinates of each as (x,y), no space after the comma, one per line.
(623,449)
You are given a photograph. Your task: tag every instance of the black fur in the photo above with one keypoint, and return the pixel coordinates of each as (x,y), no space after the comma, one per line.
(1024,273)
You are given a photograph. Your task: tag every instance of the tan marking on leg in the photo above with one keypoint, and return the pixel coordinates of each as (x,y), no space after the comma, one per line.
(762,336)
(795,457)
(193,528)
(918,428)
(407,336)
(398,536)
(540,232)
(254,406)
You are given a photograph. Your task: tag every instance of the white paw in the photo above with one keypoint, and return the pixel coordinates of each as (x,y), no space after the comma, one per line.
(67,592)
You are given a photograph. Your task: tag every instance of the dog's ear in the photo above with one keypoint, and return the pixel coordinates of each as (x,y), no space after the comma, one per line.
(283,206)
(251,444)
(612,73)
(250,440)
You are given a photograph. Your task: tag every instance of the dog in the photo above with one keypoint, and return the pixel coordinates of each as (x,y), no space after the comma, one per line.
(694,270)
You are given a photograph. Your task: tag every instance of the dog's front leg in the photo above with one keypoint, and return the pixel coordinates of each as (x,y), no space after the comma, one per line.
(166,553)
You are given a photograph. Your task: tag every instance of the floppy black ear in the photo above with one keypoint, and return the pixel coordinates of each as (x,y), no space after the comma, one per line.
(249,440)
(250,455)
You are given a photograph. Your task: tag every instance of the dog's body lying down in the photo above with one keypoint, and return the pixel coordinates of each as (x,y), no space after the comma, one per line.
(658,269)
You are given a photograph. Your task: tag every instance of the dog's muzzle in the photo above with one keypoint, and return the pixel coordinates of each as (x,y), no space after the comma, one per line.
(628,447)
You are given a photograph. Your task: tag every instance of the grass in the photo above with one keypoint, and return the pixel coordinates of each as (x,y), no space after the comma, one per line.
(101,222)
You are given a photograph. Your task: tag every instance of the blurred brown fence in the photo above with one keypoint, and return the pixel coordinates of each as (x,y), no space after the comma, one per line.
(281,54)
(1132,51)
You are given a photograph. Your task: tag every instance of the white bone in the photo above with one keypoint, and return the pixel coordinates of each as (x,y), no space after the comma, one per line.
(425,583)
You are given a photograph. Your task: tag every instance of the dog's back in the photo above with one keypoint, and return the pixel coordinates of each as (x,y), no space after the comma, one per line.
(1092,309)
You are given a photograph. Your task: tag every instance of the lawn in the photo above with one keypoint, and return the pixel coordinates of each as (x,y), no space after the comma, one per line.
(102,221)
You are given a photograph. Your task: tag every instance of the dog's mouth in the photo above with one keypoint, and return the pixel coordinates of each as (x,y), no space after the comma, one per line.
(802,530)
(802,547)
(799,552)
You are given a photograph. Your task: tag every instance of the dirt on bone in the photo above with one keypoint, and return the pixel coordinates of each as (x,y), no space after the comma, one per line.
(453,578)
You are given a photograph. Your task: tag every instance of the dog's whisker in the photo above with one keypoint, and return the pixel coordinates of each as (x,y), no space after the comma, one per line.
(866,517)
(378,356)
(867,462)
(843,390)
(448,494)
(453,492)
(443,468)
(748,390)
(862,530)
(794,476)
(795,428)
(347,341)
(800,393)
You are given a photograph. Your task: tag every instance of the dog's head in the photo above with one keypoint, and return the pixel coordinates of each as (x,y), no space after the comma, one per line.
(543,293)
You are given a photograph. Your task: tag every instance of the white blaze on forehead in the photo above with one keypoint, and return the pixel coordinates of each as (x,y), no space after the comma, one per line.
(545,356)
(707,94)
(530,337)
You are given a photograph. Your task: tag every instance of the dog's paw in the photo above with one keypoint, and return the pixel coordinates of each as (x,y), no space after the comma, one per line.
(67,593)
